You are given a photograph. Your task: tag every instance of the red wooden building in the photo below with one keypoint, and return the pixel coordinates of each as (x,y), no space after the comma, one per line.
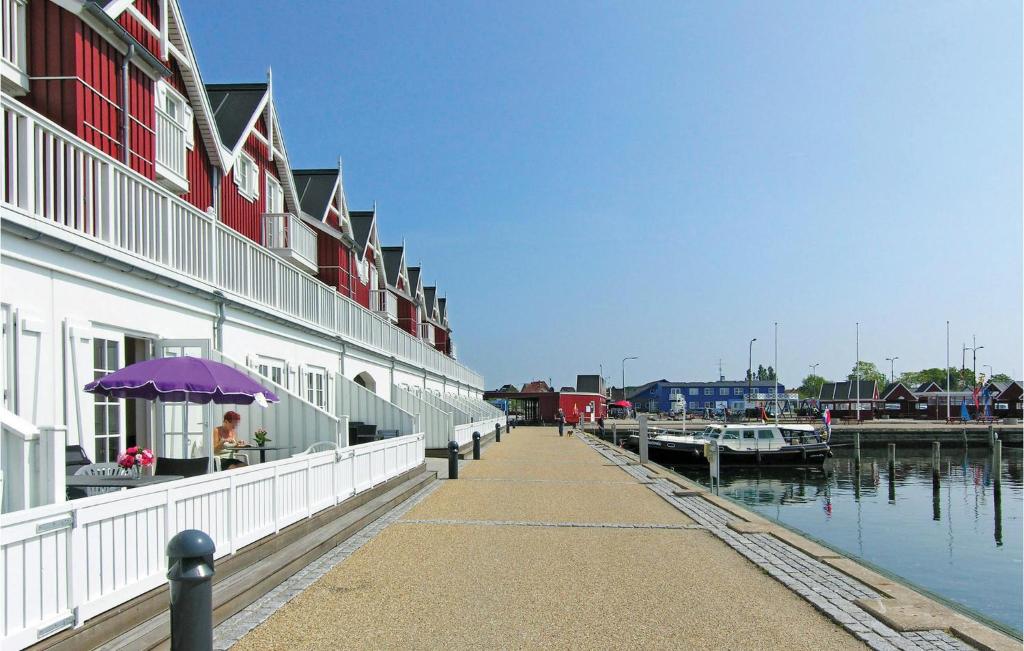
(532,406)
(122,76)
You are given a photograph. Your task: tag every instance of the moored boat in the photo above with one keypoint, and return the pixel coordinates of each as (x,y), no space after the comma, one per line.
(740,445)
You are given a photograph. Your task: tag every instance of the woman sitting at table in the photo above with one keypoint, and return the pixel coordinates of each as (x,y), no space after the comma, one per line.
(225,440)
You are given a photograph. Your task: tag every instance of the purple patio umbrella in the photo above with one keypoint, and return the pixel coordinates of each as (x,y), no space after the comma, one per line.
(182,379)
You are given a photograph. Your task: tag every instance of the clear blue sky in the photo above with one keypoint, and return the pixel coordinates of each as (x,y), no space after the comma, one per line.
(587,181)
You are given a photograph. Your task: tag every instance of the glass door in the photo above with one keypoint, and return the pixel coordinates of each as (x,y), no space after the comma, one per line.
(185,431)
(108,413)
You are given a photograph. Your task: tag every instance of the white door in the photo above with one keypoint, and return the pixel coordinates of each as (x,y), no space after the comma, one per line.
(184,430)
(95,422)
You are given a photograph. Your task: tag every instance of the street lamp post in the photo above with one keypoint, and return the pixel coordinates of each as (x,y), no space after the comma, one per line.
(624,360)
(814,367)
(892,368)
(974,356)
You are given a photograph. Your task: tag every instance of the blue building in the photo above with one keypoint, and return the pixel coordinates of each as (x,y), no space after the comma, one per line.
(656,396)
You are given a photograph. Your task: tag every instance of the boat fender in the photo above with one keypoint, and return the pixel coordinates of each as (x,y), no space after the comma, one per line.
(707,450)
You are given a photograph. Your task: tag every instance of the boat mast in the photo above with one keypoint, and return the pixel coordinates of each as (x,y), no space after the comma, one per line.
(776,374)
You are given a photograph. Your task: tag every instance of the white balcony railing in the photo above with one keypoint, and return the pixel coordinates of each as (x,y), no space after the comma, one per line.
(286,235)
(68,562)
(170,148)
(384,303)
(13,46)
(58,184)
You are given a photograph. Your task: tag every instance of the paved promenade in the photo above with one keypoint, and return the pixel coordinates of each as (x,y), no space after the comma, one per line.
(546,543)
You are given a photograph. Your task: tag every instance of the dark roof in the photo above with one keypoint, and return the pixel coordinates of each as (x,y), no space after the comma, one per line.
(414,279)
(315,189)
(392,263)
(895,388)
(927,386)
(233,106)
(442,307)
(430,295)
(537,386)
(847,390)
(362,221)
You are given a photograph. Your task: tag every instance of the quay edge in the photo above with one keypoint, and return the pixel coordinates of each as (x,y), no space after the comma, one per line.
(899,606)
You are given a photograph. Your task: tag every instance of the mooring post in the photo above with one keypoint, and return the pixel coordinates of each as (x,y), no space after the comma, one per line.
(190,573)
(497,433)
(965,438)
(892,457)
(615,434)
(936,456)
(856,448)
(997,462)
(643,440)
(992,438)
(476,446)
(453,459)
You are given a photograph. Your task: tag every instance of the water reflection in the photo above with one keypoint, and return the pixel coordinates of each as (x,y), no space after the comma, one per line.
(945,532)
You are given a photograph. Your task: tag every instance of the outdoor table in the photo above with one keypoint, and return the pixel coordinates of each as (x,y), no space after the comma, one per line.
(262,448)
(117,481)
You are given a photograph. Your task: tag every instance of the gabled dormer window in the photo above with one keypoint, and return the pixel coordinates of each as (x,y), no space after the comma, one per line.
(247,177)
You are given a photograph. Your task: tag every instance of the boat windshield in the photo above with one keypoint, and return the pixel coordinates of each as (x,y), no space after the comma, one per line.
(711,432)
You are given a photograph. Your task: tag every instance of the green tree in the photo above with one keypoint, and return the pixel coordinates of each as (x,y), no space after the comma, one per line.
(868,372)
(811,386)
(769,373)
(1002,377)
(761,372)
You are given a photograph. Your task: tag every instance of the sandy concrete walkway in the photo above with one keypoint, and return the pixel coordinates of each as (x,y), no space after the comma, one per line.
(543,544)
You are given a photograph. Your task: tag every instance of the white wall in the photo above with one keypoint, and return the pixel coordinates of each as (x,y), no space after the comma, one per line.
(52,291)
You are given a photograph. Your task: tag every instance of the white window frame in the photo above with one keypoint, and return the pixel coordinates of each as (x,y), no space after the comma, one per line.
(274,193)
(184,118)
(314,386)
(266,366)
(251,189)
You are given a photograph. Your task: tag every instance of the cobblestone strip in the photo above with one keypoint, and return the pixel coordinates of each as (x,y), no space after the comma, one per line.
(235,627)
(537,523)
(827,589)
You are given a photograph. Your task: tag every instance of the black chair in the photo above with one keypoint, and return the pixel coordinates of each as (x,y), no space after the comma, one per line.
(74,458)
(183,467)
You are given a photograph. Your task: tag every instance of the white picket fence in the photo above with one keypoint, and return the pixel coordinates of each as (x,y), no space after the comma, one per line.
(60,180)
(65,563)
(463,434)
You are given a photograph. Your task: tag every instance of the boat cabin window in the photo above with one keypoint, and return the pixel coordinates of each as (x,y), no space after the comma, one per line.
(730,435)
(765,434)
(749,434)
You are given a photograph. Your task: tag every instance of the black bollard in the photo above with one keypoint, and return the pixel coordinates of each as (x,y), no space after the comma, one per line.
(453,460)
(476,446)
(497,433)
(190,572)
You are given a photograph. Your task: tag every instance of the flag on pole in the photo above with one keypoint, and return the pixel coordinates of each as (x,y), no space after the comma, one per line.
(964,414)
(827,419)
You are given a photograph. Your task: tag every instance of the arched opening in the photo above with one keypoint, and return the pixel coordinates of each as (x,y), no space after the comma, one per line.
(366,380)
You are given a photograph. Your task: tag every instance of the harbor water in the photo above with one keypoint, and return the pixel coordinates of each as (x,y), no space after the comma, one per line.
(952,530)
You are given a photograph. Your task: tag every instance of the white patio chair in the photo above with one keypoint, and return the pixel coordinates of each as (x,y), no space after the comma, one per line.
(103,470)
(322,446)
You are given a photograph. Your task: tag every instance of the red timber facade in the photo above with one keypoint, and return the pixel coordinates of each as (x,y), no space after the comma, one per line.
(122,78)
